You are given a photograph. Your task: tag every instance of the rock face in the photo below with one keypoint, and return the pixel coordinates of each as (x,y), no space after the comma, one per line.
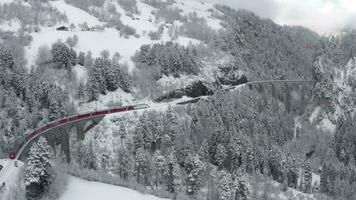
(194,89)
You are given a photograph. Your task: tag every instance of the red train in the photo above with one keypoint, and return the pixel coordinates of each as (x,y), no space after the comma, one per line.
(74,118)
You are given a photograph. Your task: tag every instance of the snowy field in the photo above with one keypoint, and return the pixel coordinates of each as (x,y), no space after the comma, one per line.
(79,189)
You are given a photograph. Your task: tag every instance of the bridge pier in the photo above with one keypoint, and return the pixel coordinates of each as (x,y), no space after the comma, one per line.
(65,143)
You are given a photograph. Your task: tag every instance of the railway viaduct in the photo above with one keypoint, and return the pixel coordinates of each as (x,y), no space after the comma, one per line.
(59,130)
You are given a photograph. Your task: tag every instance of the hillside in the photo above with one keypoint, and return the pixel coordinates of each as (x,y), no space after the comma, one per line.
(263,141)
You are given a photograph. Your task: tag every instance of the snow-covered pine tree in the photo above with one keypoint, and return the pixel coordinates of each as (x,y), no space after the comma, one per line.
(81,92)
(123,163)
(61,54)
(90,158)
(37,169)
(6,58)
(220,156)
(111,78)
(324,179)
(172,172)
(194,169)
(105,161)
(204,151)
(240,185)
(124,78)
(224,183)
(122,132)
(81,59)
(98,72)
(159,164)
(141,164)
(307,177)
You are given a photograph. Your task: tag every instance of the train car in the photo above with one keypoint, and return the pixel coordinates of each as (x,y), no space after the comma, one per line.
(12,155)
(139,106)
(98,113)
(83,116)
(121,109)
(63,121)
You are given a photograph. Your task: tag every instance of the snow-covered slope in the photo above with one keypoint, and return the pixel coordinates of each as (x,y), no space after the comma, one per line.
(74,14)
(79,189)
(110,39)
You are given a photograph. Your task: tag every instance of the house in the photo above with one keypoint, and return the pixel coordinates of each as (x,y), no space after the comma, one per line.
(62,28)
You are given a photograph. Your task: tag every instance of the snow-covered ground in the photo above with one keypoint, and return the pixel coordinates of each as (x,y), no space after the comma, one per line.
(74,14)
(11,26)
(79,189)
(110,39)
(8,175)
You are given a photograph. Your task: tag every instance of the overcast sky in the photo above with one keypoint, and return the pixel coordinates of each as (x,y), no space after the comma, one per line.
(323,16)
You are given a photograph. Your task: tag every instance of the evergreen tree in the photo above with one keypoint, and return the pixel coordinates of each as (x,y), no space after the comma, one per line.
(141,164)
(61,54)
(240,185)
(6,58)
(172,172)
(324,179)
(124,163)
(105,161)
(194,169)
(81,92)
(90,161)
(81,58)
(220,156)
(37,169)
(307,177)
(159,164)
(224,184)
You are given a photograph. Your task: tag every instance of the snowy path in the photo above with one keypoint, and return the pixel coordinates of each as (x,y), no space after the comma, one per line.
(79,189)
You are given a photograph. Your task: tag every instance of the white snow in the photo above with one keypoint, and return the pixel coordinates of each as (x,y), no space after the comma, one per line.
(96,42)
(75,15)
(314,114)
(8,175)
(81,74)
(12,26)
(201,9)
(327,125)
(79,189)
(6,1)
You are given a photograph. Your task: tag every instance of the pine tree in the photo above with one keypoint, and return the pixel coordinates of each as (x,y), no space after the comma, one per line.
(141,164)
(204,151)
(61,54)
(105,161)
(90,158)
(111,78)
(122,132)
(37,169)
(324,179)
(123,163)
(172,172)
(81,92)
(81,58)
(194,169)
(307,177)
(6,58)
(98,72)
(224,184)
(240,184)
(220,156)
(159,164)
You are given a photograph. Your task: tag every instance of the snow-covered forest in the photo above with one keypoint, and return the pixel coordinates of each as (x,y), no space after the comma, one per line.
(60,58)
